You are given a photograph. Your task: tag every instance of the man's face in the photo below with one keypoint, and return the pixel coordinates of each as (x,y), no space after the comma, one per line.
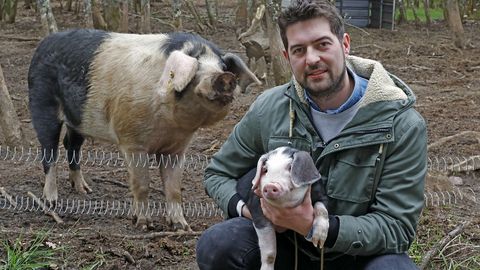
(316,56)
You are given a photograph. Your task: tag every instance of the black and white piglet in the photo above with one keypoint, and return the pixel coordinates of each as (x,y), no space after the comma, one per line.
(283,177)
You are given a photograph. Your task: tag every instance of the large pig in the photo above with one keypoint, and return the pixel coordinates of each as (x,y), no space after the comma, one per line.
(283,177)
(146,93)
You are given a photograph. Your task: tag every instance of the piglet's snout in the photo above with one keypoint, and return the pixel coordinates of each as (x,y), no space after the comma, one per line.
(272,191)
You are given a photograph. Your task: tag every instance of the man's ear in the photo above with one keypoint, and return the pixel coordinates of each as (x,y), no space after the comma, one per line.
(346,43)
(285,54)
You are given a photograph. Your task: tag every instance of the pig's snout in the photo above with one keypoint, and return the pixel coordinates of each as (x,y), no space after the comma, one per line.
(272,191)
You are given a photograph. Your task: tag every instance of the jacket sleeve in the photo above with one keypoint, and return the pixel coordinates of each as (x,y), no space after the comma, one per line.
(390,225)
(236,157)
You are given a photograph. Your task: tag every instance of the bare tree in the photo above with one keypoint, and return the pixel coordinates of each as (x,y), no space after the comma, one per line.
(8,10)
(212,19)
(46,16)
(8,117)
(426,8)
(455,23)
(111,13)
(98,20)
(414,10)
(124,17)
(87,13)
(177,14)
(145,8)
(402,11)
(279,65)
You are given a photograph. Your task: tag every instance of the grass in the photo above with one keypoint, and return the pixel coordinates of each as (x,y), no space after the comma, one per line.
(461,253)
(33,255)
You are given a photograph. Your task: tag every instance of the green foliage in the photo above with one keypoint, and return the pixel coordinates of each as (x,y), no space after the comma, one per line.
(21,255)
(435,14)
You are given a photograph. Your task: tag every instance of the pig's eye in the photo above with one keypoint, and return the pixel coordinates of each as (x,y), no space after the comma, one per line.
(289,167)
(264,169)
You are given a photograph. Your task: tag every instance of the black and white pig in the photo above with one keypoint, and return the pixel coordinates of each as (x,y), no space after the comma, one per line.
(283,177)
(147,94)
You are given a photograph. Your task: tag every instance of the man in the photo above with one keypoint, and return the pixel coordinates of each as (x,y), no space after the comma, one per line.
(358,123)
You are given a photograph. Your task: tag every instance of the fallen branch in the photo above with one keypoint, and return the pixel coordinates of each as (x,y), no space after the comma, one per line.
(157,234)
(123,253)
(448,138)
(45,208)
(19,38)
(8,197)
(441,244)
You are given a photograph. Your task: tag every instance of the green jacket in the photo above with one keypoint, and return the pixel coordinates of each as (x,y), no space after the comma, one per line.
(386,140)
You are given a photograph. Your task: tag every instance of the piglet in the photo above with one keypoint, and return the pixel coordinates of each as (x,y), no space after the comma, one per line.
(283,177)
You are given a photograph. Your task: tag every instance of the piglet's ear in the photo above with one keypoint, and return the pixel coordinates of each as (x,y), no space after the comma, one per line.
(261,170)
(179,70)
(303,170)
(236,65)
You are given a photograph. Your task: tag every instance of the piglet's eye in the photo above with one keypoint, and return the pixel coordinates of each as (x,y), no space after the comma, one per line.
(264,169)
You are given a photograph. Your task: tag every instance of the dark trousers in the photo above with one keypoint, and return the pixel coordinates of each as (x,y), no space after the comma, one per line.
(233,244)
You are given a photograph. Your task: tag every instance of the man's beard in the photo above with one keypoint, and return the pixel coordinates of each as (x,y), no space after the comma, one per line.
(334,87)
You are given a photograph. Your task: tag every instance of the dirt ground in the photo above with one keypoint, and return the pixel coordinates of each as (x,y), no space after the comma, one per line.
(445,80)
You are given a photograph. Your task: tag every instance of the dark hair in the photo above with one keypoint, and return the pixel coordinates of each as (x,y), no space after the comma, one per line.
(302,10)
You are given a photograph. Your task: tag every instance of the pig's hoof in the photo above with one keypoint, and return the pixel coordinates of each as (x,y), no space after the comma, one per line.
(320,232)
(78,182)
(178,223)
(143,223)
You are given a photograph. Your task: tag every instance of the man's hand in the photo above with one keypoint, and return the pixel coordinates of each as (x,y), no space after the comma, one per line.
(299,218)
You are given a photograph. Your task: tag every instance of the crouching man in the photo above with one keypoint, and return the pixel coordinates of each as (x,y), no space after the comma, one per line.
(358,123)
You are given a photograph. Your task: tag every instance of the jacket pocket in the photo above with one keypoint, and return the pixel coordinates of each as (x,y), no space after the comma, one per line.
(350,179)
(294,142)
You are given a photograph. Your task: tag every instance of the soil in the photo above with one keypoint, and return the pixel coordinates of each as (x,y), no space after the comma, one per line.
(445,80)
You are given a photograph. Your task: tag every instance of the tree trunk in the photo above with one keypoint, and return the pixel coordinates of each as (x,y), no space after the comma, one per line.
(48,20)
(241,15)
(145,8)
(87,13)
(112,14)
(8,9)
(426,7)
(211,17)
(455,23)
(279,65)
(414,11)
(177,14)
(98,20)
(402,17)
(124,18)
(8,117)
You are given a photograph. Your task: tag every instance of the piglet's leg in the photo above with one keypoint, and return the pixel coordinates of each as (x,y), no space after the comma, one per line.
(139,179)
(172,179)
(320,224)
(268,246)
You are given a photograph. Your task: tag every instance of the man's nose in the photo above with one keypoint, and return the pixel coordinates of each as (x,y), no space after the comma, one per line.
(312,56)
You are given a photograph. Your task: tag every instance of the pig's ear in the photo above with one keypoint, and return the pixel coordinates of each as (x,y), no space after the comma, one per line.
(261,170)
(303,170)
(179,70)
(236,65)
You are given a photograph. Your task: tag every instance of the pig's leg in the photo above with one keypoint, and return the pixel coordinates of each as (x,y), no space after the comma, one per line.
(265,231)
(45,120)
(268,246)
(320,224)
(172,180)
(73,142)
(139,180)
